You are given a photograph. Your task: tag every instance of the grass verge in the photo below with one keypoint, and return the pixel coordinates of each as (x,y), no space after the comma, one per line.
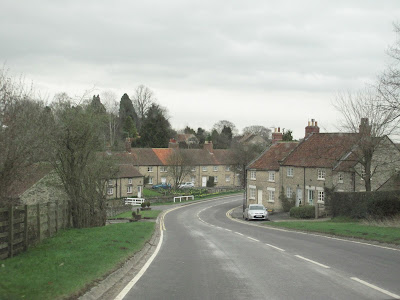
(153,214)
(344,228)
(63,265)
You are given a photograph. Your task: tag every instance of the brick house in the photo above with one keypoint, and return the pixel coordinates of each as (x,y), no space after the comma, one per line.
(322,160)
(205,163)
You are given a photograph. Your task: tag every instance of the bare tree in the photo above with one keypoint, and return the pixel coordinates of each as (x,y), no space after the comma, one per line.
(24,124)
(258,130)
(363,115)
(110,101)
(142,101)
(179,166)
(219,126)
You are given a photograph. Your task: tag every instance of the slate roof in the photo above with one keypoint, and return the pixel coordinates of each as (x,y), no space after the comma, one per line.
(128,171)
(321,150)
(269,159)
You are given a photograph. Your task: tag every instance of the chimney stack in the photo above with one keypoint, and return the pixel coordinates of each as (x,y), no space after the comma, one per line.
(173,144)
(128,145)
(208,146)
(277,135)
(311,128)
(365,128)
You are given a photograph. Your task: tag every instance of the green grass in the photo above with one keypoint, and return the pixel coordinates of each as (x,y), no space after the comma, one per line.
(345,228)
(61,266)
(145,214)
(151,193)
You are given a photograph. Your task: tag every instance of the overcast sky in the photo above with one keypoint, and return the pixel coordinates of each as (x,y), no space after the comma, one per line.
(269,63)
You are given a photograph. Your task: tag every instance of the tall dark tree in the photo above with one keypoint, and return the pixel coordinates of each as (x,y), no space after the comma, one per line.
(129,128)
(156,129)
(189,130)
(287,136)
(97,106)
(126,110)
(201,135)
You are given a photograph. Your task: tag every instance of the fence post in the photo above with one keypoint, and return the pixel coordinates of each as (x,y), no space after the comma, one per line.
(316,210)
(11,239)
(26,228)
(48,220)
(38,221)
(56,213)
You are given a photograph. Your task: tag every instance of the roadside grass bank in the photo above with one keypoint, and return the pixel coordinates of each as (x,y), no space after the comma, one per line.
(62,266)
(345,228)
(198,197)
(152,214)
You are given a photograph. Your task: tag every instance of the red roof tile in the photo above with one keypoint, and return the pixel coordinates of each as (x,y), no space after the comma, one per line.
(269,159)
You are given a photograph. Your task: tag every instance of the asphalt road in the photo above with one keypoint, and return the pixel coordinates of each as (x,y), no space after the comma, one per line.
(206,255)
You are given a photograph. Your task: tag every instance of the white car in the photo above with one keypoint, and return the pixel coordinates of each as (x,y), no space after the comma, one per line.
(186,185)
(255,212)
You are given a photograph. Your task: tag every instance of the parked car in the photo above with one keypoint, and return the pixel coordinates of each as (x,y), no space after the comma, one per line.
(186,185)
(161,186)
(255,212)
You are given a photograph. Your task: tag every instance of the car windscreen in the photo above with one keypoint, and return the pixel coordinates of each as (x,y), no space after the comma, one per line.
(256,207)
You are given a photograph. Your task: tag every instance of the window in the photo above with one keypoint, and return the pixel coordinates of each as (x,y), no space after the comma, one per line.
(290,172)
(129,190)
(340,177)
(271,194)
(215,178)
(163,169)
(271,176)
(149,169)
(215,168)
(321,196)
(227,178)
(110,191)
(204,169)
(252,193)
(310,196)
(193,179)
(289,192)
(193,169)
(129,180)
(227,168)
(150,180)
(253,175)
(163,180)
(110,182)
(321,174)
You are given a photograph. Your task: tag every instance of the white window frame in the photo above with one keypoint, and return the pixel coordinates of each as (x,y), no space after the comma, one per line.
(150,180)
(215,168)
(193,169)
(271,194)
(110,182)
(215,178)
(163,169)
(321,174)
(271,176)
(289,172)
(321,196)
(289,192)
(130,180)
(227,178)
(129,189)
(253,175)
(252,192)
(204,169)
(340,177)
(164,180)
(227,168)
(149,169)
(193,179)
(110,191)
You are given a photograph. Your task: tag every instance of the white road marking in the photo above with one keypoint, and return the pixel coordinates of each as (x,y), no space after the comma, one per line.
(228,229)
(277,248)
(312,261)
(250,238)
(376,288)
(239,233)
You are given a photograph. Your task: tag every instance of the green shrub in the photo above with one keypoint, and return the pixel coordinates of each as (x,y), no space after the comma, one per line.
(303,212)
(143,205)
(148,203)
(287,203)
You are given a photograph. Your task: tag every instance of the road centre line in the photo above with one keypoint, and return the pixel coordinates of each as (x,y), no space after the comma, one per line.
(376,288)
(312,261)
(250,238)
(277,248)
(239,233)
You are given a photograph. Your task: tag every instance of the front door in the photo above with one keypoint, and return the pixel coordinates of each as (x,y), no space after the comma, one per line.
(259,198)
(139,192)
(299,196)
(204,181)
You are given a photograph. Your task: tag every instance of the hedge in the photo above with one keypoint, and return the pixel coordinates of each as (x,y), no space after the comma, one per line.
(378,204)
(303,212)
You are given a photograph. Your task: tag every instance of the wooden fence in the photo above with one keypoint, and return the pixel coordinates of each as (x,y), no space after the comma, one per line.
(21,226)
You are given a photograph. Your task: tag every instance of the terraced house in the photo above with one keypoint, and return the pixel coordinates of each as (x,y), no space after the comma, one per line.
(156,164)
(321,160)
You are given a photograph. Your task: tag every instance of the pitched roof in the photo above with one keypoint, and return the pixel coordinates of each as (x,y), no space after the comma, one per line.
(269,159)
(321,150)
(128,171)
(31,175)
